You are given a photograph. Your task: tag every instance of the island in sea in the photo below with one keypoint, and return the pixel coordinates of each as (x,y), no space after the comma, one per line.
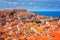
(20,24)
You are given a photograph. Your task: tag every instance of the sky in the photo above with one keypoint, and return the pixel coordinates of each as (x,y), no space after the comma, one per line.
(31,5)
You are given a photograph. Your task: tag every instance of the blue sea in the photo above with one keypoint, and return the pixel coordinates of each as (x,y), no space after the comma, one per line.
(48,13)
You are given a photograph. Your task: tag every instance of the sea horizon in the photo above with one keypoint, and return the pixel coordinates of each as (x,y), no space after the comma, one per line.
(48,13)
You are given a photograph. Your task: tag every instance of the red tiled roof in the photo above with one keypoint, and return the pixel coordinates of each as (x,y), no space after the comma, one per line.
(6,11)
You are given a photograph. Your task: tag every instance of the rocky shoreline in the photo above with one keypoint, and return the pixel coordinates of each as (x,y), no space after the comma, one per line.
(19,24)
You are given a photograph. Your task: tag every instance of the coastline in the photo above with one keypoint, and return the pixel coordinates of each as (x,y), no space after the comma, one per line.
(20,24)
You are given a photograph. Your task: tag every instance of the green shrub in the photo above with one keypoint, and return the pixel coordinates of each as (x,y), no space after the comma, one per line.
(23,18)
(36,21)
(3,15)
(11,14)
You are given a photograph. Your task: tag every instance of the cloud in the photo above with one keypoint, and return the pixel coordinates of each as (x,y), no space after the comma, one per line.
(30,3)
(12,3)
